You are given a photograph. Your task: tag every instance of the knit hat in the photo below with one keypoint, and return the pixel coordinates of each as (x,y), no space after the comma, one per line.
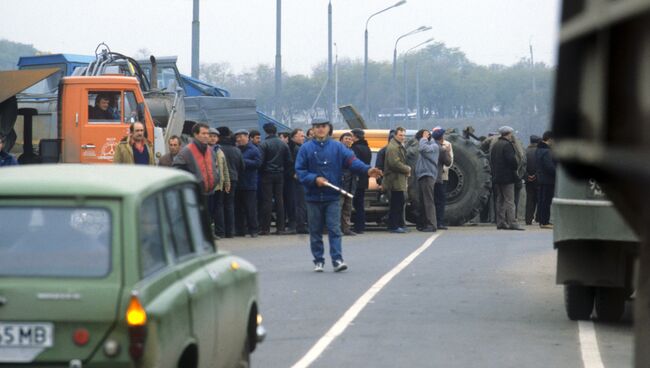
(437,133)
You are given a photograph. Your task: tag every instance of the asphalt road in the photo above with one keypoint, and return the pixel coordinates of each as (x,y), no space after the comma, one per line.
(477,297)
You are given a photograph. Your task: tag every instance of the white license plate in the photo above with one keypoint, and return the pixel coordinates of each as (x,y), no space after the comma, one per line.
(26,335)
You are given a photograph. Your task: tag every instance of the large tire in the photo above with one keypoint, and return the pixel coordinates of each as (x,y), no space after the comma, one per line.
(470,181)
(610,303)
(578,301)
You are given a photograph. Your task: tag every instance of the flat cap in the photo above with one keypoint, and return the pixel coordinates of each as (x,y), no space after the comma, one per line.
(358,132)
(213,131)
(505,130)
(319,121)
(241,131)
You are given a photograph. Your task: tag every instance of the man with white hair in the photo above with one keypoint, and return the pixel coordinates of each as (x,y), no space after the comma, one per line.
(504,176)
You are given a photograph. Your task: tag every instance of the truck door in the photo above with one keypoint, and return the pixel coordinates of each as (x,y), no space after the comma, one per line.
(105,123)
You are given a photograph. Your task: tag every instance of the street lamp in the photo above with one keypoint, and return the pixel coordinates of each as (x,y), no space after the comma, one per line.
(365,57)
(417,81)
(415,31)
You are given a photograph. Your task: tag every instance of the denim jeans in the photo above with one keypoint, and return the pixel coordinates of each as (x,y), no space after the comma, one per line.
(319,215)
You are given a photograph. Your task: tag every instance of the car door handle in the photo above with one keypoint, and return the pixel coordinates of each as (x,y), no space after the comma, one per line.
(87,146)
(214,275)
(191,287)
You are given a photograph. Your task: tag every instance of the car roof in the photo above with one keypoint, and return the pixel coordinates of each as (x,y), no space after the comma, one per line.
(87,180)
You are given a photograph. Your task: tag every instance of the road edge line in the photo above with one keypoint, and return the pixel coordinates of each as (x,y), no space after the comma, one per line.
(349,315)
(589,351)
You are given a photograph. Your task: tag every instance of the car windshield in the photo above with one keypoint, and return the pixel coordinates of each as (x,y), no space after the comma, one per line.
(54,241)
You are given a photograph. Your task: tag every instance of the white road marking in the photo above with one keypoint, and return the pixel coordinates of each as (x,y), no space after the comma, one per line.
(589,345)
(357,307)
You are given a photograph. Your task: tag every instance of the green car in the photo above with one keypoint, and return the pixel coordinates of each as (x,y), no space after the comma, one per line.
(115,266)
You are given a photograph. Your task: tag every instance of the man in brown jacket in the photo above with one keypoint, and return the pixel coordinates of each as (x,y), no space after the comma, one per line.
(134,149)
(174,145)
(396,173)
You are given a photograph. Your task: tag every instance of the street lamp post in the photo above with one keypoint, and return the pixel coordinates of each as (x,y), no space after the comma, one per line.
(394,92)
(365,58)
(278,60)
(330,84)
(336,84)
(417,80)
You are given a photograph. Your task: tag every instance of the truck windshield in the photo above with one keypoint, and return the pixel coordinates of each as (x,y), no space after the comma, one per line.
(55,241)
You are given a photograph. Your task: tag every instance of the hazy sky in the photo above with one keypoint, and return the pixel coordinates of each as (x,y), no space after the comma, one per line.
(242,32)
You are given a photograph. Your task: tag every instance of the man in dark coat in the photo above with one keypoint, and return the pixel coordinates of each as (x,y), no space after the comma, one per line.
(362,151)
(298,219)
(235,162)
(504,176)
(531,180)
(276,160)
(246,194)
(545,180)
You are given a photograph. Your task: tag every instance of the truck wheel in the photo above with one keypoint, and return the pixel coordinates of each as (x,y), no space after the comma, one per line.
(578,301)
(470,181)
(610,304)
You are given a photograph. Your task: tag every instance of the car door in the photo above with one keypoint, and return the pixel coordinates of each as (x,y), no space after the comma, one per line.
(192,274)
(230,316)
(160,288)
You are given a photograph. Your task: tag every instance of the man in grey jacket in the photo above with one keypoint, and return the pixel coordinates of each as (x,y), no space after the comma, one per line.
(426,171)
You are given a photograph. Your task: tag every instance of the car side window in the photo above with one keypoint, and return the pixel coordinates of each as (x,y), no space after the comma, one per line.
(152,254)
(178,223)
(196,222)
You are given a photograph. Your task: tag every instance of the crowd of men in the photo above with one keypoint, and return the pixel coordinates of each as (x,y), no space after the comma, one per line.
(512,168)
(300,176)
(248,180)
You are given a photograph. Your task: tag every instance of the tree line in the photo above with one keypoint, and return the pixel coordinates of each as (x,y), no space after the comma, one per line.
(450,86)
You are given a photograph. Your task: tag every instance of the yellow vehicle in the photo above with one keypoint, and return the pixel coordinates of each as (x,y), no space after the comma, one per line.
(468,189)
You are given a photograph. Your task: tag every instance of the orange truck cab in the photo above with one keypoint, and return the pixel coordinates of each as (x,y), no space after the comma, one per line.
(81,121)
(88,133)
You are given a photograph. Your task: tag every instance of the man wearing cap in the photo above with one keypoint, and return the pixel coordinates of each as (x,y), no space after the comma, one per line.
(222,186)
(198,159)
(321,161)
(426,172)
(276,159)
(446,158)
(504,176)
(235,163)
(246,195)
(362,151)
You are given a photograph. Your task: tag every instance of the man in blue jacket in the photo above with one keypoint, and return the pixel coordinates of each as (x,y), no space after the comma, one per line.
(246,191)
(322,160)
